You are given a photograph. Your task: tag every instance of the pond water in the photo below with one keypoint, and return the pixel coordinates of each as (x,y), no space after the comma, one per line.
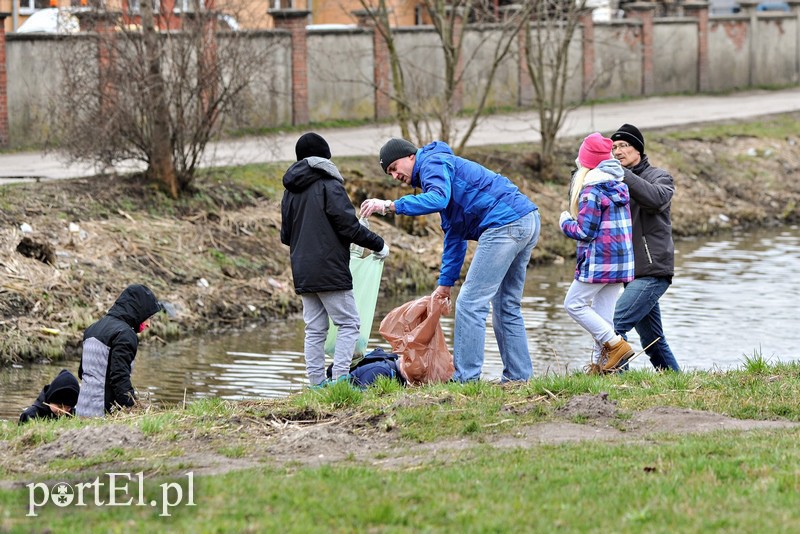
(732,296)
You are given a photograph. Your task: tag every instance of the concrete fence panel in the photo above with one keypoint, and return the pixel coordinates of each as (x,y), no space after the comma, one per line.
(479,50)
(424,66)
(35,80)
(267,101)
(675,54)
(618,59)
(340,75)
(728,51)
(775,49)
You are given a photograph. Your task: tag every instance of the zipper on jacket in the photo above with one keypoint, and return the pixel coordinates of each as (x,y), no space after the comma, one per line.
(647,249)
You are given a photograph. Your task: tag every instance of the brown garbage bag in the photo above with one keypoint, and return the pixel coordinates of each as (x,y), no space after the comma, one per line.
(414,332)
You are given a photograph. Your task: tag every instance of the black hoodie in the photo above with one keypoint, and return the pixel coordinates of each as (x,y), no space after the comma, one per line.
(109,348)
(318,222)
(64,389)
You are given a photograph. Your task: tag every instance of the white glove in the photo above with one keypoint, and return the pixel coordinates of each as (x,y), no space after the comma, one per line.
(373,205)
(381,255)
(565,216)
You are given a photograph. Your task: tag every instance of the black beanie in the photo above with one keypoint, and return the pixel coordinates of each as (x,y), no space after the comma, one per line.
(394,149)
(312,144)
(630,134)
(64,389)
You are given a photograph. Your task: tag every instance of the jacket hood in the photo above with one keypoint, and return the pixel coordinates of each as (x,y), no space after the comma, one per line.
(298,178)
(607,178)
(437,147)
(64,389)
(135,305)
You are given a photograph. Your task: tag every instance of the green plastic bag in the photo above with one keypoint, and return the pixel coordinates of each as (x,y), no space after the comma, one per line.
(366,283)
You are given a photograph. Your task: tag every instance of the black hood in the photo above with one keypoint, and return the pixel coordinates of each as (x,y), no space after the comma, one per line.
(64,389)
(304,173)
(135,305)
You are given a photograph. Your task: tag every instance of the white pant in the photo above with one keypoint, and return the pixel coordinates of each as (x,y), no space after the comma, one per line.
(341,307)
(592,307)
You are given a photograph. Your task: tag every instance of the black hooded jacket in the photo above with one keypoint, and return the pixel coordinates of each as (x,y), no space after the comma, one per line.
(63,389)
(318,222)
(109,347)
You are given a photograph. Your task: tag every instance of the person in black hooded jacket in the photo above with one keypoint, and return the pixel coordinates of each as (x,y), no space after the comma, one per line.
(109,348)
(319,223)
(58,398)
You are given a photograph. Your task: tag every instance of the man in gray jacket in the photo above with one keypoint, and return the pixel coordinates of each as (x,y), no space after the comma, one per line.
(651,191)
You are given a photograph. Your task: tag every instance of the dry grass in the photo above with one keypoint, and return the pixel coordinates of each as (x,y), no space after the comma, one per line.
(216,254)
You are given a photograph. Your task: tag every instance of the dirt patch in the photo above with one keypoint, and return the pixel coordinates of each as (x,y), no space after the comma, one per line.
(588,407)
(665,419)
(89,441)
(336,440)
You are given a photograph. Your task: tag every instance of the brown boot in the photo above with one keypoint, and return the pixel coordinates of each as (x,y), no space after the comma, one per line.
(617,354)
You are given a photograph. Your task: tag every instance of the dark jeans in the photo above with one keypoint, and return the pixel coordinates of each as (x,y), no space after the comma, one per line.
(638,308)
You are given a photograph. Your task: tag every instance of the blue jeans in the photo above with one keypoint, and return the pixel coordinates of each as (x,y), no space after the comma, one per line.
(638,308)
(497,276)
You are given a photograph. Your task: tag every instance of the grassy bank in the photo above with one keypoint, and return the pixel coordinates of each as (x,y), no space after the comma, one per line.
(635,452)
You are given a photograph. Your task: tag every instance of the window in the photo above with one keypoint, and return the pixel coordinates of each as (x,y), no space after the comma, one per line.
(188,6)
(26,7)
(134,6)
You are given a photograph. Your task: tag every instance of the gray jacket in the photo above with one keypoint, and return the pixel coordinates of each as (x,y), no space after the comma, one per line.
(651,192)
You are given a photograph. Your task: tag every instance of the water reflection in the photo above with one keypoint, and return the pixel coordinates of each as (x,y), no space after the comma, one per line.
(731,297)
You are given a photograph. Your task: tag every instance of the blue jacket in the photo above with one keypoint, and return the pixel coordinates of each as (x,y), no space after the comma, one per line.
(469,197)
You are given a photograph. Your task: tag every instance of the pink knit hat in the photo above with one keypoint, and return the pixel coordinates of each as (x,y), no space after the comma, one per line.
(594,149)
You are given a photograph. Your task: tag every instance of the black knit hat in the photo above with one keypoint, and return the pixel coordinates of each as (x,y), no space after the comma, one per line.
(64,389)
(394,149)
(630,134)
(312,144)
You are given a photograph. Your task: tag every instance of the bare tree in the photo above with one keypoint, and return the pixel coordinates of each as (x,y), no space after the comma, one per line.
(422,115)
(154,88)
(548,39)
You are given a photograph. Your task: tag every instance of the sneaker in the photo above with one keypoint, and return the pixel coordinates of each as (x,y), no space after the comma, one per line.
(325,383)
(329,382)
(617,355)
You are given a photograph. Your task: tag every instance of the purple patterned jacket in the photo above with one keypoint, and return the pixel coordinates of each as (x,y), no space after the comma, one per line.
(603,227)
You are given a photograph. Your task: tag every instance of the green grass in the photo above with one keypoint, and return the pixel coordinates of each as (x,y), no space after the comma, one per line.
(265,178)
(157,423)
(723,481)
(714,482)
(773,127)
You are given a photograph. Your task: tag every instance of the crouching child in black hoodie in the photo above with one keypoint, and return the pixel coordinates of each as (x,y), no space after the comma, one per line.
(58,398)
(109,348)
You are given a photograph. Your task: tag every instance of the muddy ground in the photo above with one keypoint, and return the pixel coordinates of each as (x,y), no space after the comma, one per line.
(68,248)
(365,438)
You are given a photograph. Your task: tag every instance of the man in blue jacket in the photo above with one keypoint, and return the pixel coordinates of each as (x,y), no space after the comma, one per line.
(475,204)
